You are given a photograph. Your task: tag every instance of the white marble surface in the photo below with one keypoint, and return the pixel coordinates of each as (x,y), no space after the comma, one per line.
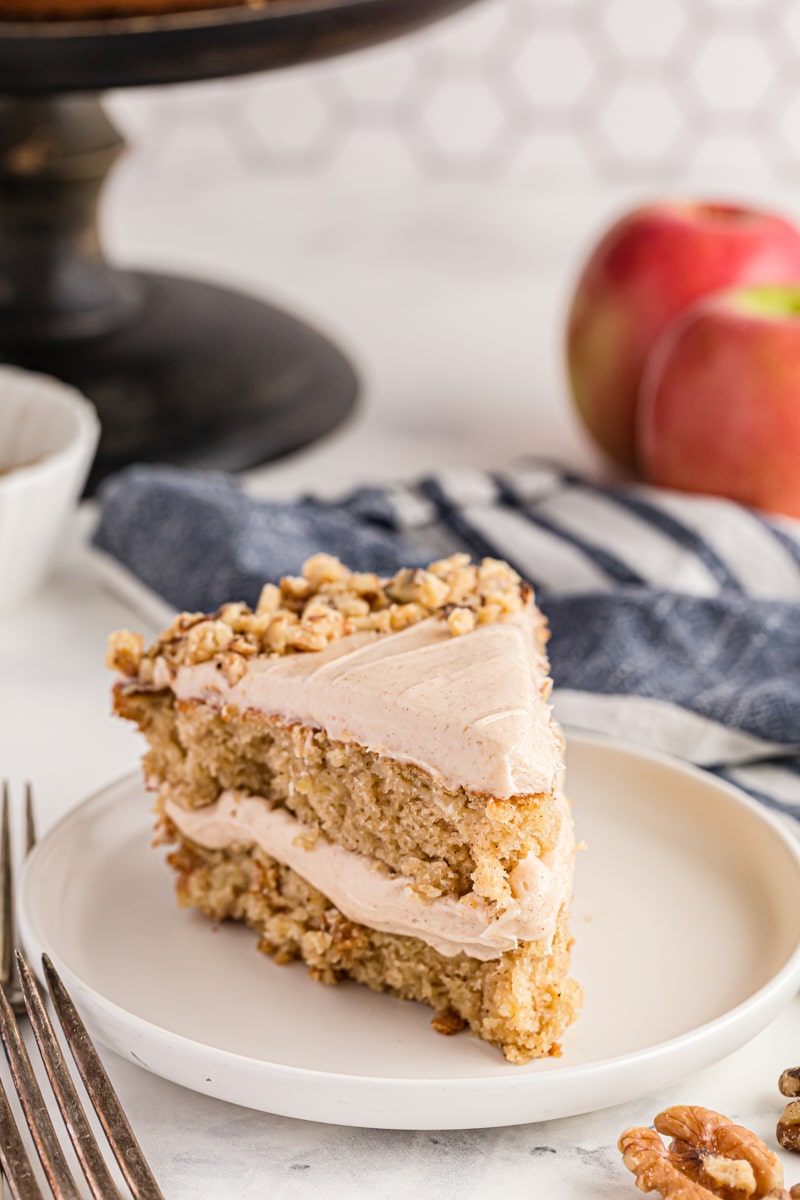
(451,299)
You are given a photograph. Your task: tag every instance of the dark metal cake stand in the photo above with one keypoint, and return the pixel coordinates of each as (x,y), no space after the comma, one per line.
(180,371)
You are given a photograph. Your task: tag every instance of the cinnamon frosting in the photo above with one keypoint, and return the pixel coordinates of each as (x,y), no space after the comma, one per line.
(369,895)
(470,710)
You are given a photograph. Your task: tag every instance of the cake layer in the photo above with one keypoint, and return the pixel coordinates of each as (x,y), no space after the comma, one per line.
(369,895)
(448,841)
(521,1002)
(467,710)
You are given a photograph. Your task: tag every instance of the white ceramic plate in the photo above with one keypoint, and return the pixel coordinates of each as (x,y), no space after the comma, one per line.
(687,932)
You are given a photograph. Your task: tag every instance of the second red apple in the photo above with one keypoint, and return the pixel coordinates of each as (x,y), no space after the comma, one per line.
(719,409)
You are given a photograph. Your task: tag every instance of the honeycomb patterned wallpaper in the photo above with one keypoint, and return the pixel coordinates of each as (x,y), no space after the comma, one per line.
(556,91)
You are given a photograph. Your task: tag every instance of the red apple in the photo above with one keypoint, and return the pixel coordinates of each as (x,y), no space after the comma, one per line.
(719,406)
(649,267)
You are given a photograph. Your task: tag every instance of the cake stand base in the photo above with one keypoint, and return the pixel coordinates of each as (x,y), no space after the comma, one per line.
(180,371)
(201,376)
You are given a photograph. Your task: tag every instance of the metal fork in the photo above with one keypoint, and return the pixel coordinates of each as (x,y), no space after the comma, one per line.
(14,1160)
(8,978)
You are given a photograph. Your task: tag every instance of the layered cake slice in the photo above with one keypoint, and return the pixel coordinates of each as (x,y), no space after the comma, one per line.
(367,772)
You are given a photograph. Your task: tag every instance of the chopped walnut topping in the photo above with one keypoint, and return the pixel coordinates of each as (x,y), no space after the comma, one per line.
(304,613)
(300,638)
(324,568)
(460,575)
(277,633)
(124,652)
(378,622)
(236,615)
(350,606)
(185,621)
(234,668)
(708,1156)
(147,671)
(203,641)
(417,587)
(368,585)
(460,620)
(294,587)
(403,615)
(322,619)
(270,599)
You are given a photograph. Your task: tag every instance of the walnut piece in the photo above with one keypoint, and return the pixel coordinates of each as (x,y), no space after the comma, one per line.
(460,620)
(205,639)
(707,1156)
(418,587)
(124,652)
(788,1130)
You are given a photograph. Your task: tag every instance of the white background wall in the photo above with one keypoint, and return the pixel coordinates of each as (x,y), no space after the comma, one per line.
(552,92)
(428,202)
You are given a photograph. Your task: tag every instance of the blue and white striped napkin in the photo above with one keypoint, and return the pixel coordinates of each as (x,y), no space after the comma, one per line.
(675,619)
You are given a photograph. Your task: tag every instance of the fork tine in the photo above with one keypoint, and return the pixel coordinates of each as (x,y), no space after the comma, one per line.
(121,1137)
(14,1161)
(6,894)
(34,1107)
(13,1157)
(30,820)
(89,1154)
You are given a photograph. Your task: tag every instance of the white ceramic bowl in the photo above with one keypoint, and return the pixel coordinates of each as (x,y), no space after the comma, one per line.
(48,437)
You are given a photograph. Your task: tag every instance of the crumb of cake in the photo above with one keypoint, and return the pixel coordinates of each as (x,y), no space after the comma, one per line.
(708,1156)
(308,838)
(448,1022)
(305,613)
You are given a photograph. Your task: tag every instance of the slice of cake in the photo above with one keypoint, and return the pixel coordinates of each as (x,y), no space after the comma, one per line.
(367,772)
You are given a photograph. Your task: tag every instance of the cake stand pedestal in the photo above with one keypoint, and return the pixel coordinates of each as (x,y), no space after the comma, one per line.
(180,371)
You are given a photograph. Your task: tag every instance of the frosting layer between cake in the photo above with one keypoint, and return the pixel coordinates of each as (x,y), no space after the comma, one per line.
(469,710)
(370,896)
